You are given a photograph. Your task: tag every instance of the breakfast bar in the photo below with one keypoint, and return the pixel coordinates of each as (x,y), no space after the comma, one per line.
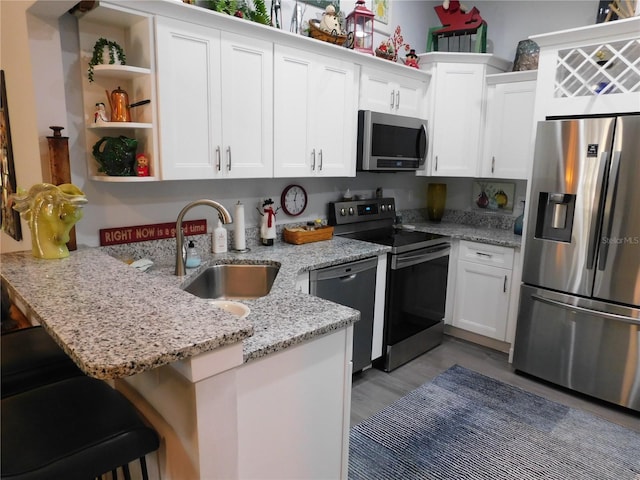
(265,395)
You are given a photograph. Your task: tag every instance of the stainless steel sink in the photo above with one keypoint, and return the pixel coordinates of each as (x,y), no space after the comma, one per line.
(233,281)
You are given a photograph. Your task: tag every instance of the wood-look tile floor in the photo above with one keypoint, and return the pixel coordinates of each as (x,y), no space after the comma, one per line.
(374,389)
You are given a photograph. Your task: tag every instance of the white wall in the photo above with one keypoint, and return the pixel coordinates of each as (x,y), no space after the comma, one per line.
(40,59)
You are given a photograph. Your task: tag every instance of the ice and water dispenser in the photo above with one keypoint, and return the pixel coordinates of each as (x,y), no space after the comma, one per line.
(555,216)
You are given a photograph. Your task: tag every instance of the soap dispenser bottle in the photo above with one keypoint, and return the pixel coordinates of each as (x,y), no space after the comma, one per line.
(193,259)
(219,239)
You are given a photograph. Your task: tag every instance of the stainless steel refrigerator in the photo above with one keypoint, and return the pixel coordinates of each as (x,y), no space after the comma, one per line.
(579,314)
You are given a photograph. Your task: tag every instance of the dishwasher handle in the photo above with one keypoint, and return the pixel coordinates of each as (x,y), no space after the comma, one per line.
(409,259)
(344,271)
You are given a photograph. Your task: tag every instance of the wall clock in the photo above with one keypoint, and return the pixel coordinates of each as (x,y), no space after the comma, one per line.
(293,200)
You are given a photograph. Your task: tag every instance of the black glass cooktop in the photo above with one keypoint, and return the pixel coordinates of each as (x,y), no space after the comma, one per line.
(399,240)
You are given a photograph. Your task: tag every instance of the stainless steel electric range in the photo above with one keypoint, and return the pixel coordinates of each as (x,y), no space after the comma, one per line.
(416,284)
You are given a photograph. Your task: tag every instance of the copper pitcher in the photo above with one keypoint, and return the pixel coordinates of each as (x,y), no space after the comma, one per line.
(119,103)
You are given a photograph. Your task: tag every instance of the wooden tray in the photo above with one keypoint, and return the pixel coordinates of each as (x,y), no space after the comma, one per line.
(307,236)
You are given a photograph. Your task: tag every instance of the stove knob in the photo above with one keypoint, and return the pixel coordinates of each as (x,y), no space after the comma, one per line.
(351,211)
(343,212)
(390,207)
(383,208)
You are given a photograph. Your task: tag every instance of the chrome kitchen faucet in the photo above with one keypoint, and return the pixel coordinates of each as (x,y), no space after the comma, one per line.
(224,215)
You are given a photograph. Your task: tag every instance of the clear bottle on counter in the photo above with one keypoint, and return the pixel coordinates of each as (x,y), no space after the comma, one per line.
(193,258)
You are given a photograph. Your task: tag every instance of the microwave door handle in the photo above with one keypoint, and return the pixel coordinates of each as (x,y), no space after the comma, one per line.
(610,204)
(596,212)
(423,156)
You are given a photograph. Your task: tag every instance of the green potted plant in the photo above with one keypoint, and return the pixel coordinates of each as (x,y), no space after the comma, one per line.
(115,53)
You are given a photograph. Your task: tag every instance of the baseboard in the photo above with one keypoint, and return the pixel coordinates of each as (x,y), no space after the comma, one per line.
(492,343)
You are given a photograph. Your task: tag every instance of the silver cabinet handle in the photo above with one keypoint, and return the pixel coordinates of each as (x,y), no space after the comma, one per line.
(504,287)
(393,92)
(493,164)
(397,98)
(436,163)
(229,159)
(320,160)
(482,254)
(218,162)
(313,156)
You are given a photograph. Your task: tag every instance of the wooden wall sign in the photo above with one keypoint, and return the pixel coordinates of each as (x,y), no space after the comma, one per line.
(155,231)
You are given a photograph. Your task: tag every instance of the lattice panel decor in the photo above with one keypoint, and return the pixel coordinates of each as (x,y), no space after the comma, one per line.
(598,69)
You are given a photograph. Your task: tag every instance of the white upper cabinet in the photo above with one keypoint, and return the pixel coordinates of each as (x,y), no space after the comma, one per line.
(215,122)
(509,125)
(386,92)
(456,100)
(315,119)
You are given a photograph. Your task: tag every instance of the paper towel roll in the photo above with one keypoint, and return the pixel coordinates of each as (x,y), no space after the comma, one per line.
(239,242)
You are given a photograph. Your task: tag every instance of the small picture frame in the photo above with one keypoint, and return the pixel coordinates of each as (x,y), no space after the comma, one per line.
(10,219)
(382,18)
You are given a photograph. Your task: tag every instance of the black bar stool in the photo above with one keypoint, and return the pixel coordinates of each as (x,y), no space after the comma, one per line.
(30,358)
(77,428)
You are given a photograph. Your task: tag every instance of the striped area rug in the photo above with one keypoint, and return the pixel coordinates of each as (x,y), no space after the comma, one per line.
(464,425)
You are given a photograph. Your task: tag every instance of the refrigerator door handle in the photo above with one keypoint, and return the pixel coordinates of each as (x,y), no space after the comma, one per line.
(607,223)
(596,213)
(611,316)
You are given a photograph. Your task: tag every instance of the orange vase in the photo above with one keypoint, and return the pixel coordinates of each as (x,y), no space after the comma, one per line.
(436,199)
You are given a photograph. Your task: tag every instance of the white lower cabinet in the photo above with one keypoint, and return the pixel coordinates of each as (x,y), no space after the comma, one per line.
(214,97)
(315,119)
(483,289)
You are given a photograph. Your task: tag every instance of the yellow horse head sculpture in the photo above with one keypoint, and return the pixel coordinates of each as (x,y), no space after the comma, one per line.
(51,211)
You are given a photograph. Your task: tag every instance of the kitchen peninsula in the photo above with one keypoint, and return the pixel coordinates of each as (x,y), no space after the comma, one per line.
(264,396)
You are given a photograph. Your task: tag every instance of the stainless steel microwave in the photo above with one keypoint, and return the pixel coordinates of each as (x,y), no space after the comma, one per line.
(391,143)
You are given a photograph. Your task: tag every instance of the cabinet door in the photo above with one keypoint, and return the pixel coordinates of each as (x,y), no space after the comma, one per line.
(334,118)
(247,107)
(386,93)
(189,102)
(482,299)
(315,117)
(457,116)
(293,95)
(509,130)
(410,97)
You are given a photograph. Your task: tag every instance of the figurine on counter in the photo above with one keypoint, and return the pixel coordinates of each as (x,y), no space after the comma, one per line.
(142,165)
(268,224)
(51,211)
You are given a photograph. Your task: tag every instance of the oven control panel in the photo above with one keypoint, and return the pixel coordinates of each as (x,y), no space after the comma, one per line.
(354,211)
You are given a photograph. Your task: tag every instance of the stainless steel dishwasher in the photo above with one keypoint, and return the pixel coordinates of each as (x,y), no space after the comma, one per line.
(351,284)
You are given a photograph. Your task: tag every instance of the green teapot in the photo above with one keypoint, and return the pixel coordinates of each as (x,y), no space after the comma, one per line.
(116,155)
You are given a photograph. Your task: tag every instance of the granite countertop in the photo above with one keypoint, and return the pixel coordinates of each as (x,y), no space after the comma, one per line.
(115,321)
(474,233)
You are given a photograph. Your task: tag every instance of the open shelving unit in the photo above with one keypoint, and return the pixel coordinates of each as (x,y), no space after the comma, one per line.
(133,30)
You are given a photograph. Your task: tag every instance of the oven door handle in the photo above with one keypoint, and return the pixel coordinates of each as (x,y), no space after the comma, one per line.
(407,259)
